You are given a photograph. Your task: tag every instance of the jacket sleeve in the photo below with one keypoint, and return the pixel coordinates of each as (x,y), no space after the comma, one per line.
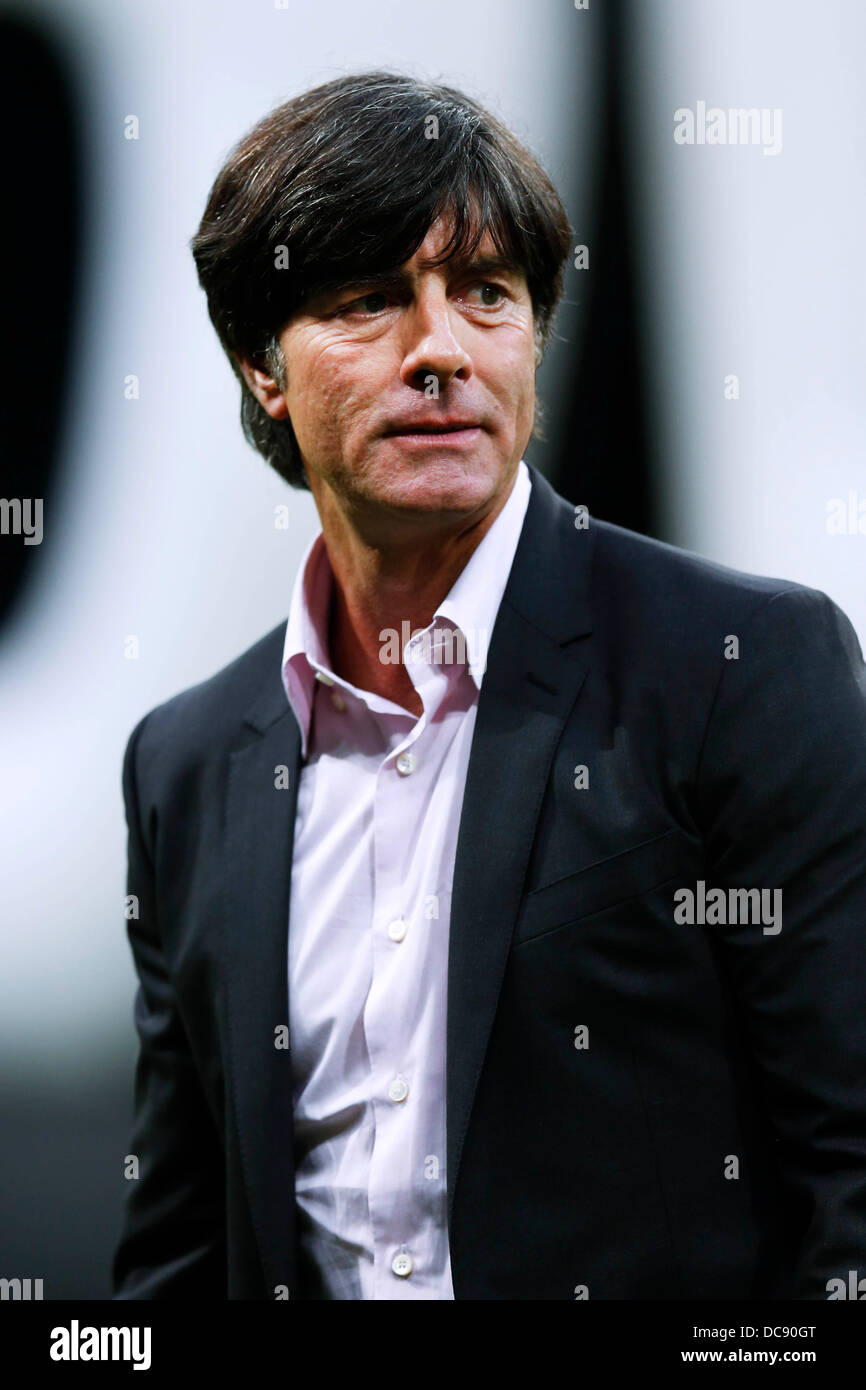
(782,793)
(172,1243)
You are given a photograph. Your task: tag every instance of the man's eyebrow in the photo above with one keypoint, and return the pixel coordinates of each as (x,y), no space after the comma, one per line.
(398,276)
(489,265)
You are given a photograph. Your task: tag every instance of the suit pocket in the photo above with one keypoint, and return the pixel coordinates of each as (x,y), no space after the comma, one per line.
(605,884)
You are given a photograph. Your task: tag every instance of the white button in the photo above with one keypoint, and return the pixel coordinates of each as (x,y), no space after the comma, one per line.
(326,680)
(402,1264)
(337,700)
(398,1090)
(397,930)
(406,764)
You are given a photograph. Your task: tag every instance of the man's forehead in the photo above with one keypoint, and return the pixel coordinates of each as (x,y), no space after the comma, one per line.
(436,239)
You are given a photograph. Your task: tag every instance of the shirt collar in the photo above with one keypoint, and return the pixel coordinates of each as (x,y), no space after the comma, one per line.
(471,605)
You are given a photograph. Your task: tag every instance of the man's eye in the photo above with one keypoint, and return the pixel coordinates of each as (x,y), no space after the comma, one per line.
(367,303)
(376,301)
(498,294)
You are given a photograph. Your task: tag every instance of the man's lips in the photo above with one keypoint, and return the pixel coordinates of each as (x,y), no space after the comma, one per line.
(431,424)
(453,431)
(450,438)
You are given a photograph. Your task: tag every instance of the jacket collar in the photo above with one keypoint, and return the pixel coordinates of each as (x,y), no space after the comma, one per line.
(548,586)
(470,605)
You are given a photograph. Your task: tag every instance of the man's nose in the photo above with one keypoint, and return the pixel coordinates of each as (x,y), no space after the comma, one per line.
(431,345)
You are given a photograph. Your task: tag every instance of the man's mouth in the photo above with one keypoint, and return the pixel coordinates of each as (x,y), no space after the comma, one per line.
(461,432)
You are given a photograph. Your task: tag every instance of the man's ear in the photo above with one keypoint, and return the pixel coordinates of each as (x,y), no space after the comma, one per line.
(539,347)
(264,387)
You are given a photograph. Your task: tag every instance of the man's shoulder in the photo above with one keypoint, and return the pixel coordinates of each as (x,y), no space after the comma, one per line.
(649,595)
(206,715)
(678,586)
(627,574)
(637,558)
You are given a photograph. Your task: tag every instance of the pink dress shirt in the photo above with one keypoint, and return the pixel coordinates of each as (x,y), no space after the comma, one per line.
(378,811)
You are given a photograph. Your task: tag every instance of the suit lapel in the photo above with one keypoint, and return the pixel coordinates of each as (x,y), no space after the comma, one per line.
(532,680)
(259,831)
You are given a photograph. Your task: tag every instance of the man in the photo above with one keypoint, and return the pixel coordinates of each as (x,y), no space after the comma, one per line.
(500,915)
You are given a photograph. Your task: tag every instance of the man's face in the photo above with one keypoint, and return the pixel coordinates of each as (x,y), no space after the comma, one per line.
(364,363)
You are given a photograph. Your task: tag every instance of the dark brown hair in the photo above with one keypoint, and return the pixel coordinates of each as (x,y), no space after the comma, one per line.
(352,174)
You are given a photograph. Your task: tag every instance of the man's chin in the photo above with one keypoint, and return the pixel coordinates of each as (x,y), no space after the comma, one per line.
(437,483)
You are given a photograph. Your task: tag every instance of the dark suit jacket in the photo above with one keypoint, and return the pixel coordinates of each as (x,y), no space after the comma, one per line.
(710,1140)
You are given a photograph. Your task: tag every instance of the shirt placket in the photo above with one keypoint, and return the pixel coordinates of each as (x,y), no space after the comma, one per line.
(394,1045)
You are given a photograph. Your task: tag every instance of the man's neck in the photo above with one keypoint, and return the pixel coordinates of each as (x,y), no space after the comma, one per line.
(375,591)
